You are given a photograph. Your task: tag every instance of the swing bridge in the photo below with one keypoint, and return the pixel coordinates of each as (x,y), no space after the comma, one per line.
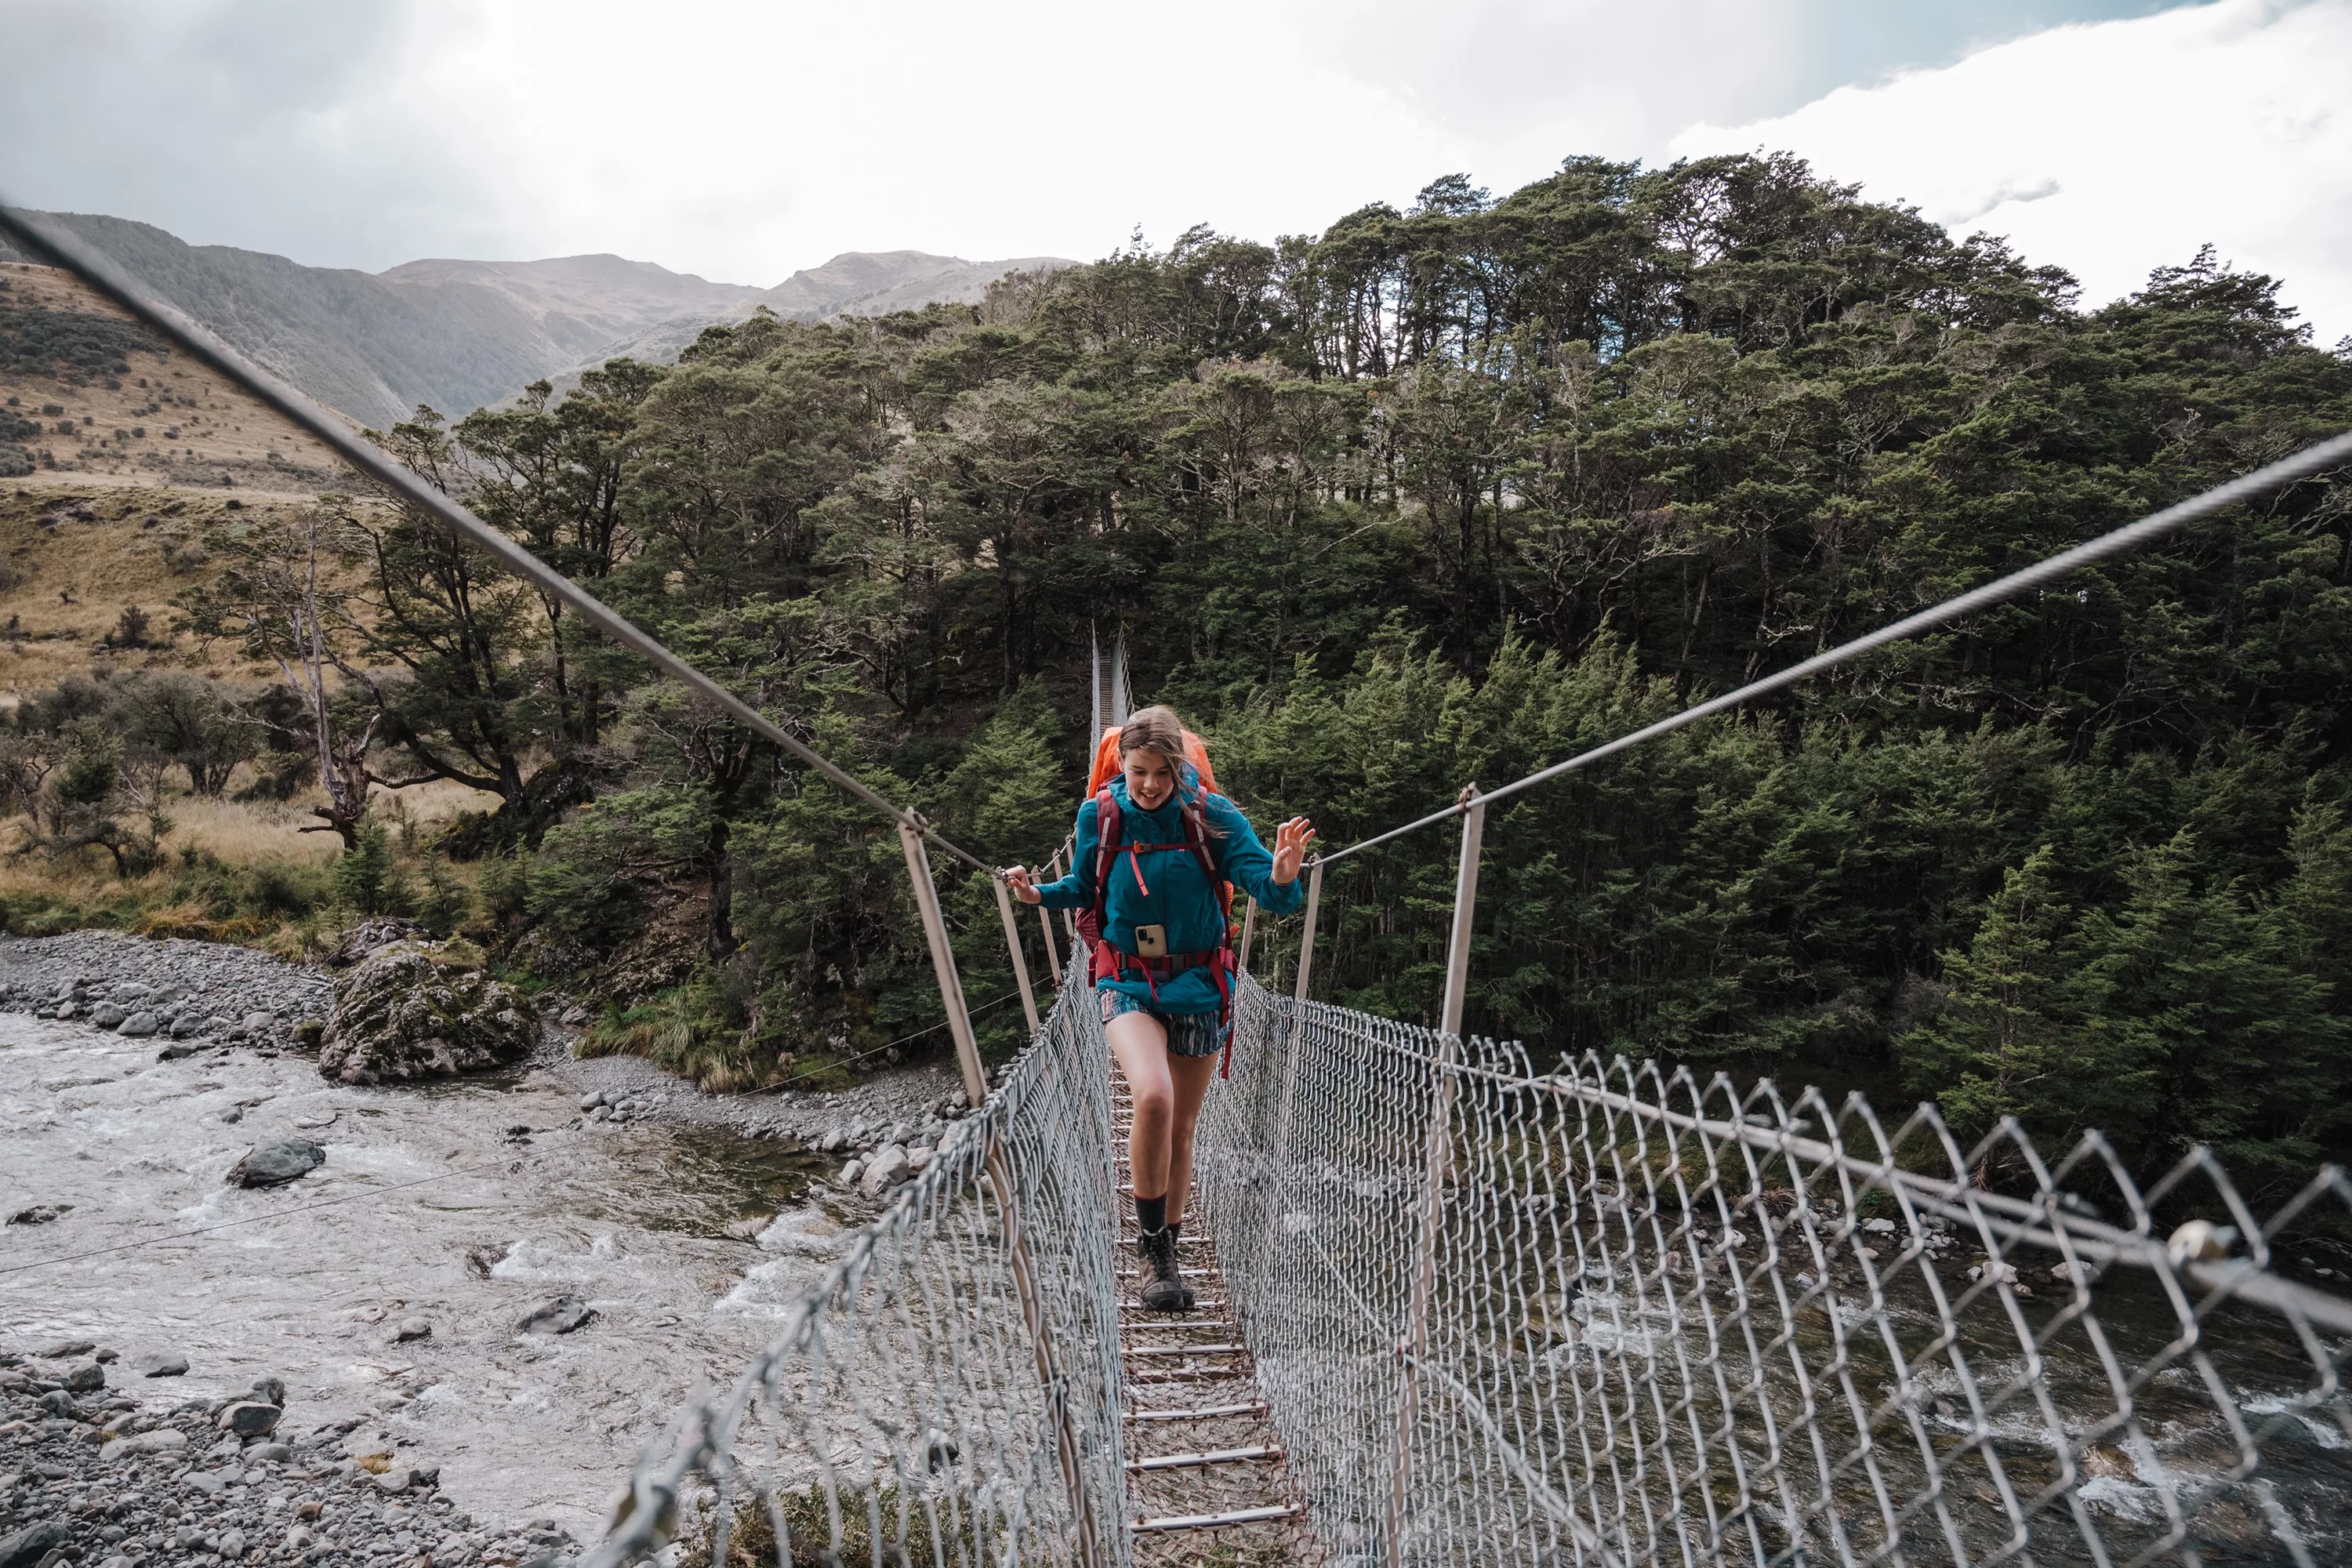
(1456,1305)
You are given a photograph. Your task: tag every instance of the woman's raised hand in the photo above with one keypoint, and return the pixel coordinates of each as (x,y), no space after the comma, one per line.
(1017,878)
(1290,847)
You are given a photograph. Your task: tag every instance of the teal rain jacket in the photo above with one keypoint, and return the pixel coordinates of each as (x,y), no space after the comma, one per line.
(1181,897)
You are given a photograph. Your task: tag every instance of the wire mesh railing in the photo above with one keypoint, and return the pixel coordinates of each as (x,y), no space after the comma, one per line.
(1607,1315)
(1601,1315)
(949,1393)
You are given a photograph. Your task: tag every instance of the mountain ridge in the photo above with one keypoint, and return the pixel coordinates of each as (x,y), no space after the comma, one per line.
(461,335)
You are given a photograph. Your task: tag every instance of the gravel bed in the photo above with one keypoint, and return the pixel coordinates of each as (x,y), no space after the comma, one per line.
(102,1475)
(187,995)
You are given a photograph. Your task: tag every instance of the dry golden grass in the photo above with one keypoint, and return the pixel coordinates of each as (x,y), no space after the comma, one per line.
(65,584)
(157,454)
(165,418)
(242,832)
(41,894)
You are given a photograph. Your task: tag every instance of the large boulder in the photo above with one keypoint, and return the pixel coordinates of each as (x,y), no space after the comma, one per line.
(372,935)
(275,1165)
(418,1009)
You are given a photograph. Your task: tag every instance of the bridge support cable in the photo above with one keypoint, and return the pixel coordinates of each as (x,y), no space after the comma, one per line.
(2311,461)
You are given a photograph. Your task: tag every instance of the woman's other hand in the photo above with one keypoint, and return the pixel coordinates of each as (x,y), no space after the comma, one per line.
(1017,878)
(1290,847)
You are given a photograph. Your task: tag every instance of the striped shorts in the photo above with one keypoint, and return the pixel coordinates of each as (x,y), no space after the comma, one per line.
(1189,1033)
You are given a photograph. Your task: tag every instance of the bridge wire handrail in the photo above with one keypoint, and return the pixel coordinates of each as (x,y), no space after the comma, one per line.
(101,273)
(2314,459)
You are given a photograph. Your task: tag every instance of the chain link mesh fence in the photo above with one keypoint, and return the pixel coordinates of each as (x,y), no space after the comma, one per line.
(949,1395)
(1640,1319)
(1636,1319)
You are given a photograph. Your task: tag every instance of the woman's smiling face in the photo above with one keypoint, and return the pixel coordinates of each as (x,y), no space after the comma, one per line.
(1150,778)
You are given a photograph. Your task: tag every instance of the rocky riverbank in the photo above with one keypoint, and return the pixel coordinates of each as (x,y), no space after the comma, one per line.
(190,995)
(498,1286)
(195,998)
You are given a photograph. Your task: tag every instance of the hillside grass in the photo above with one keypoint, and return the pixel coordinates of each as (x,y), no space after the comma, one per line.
(233,871)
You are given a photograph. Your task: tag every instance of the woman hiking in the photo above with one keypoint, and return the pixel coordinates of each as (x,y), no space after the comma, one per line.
(1162,963)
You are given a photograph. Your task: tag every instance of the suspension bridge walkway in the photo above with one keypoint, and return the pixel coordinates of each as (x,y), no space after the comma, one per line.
(1458,1307)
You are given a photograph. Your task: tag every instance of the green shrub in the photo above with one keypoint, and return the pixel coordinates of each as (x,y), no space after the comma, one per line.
(368,881)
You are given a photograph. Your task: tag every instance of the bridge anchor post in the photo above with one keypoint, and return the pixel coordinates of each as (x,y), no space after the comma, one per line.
(1415,1343)
(1013,941)
(1052,1380)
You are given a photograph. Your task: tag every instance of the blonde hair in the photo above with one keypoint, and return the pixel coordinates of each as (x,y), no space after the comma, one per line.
(1155,728)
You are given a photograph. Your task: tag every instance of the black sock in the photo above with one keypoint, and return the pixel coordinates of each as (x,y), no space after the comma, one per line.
(1151,1214)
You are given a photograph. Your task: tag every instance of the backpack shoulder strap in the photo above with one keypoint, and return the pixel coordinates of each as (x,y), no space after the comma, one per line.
(1109,828)
(1196,836)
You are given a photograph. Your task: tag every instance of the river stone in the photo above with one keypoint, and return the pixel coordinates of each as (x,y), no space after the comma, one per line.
(562,1315)
(250,1419)
(889,1168)
(275,1165)
(162,1440)
(418,1009)
(106,1015)
(139,1025)
(86,1379)
(160,1363)
(29,1545)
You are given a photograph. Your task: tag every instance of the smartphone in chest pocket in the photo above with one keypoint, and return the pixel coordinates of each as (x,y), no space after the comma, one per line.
(1152,941)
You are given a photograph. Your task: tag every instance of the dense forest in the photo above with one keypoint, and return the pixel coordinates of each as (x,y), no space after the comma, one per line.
(1440,495)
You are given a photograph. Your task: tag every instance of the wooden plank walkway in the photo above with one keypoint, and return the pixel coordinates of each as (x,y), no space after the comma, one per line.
(1206,1472)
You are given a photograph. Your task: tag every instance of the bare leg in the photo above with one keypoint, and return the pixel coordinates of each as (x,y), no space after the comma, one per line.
(1191,1079)
(1140,1046)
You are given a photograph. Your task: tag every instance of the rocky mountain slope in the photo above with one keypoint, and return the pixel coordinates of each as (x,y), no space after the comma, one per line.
(854,283)
(460,334)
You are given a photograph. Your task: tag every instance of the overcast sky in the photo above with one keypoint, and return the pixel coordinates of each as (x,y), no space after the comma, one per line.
(742,139)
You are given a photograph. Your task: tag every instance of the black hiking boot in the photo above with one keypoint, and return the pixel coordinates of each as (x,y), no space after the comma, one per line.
(1163,1288)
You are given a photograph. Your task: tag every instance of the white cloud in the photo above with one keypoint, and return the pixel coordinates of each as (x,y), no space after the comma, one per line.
(742,139)
(2118,147)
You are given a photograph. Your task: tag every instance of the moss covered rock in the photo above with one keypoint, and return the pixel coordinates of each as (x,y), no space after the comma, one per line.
(418,1009)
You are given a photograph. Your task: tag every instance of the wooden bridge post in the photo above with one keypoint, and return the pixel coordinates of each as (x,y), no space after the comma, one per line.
(1051,1376)
(944,967)
(1013,941)
(1307,937)
(1415,1343)
(1291,1026)
(1249,929)
(1052,953)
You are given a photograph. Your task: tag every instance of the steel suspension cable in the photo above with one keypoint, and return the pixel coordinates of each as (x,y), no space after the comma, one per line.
(52,244)
(2316,459)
